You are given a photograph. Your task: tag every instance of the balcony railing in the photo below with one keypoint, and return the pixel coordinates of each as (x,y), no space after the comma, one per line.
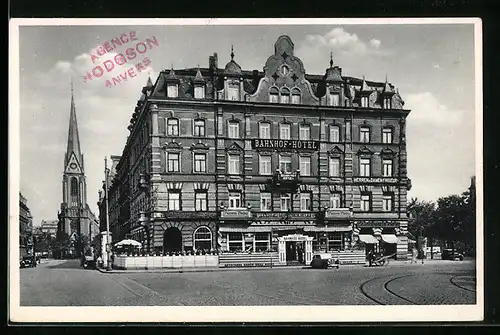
(287,182)
(242,213)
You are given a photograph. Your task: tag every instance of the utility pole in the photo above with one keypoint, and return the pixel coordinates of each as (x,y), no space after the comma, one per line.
(108,245)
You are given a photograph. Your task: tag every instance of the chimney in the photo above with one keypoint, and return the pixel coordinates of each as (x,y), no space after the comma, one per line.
(212,62)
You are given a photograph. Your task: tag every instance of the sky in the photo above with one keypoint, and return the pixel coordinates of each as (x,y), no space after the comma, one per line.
(432,66)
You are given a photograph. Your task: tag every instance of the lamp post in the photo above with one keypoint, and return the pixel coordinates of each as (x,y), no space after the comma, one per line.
(108,245)
(326,228)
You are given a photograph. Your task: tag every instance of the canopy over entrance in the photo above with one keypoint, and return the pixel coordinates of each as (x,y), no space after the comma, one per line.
(368,239)
(390,238)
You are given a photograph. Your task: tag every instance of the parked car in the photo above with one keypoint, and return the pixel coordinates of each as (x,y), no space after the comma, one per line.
(452,255)
(28,262)
(323,261)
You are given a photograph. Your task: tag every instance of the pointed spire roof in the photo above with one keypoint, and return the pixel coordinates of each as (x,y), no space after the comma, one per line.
(387,88)
(73,137)
(149,83)
(199,78)
(171,76)
(364,86)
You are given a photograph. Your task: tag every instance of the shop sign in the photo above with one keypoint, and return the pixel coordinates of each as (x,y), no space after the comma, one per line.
(235,213)
(336,213)
(295,238)
(374,224)
(374,180)
(285,144)
(286,215)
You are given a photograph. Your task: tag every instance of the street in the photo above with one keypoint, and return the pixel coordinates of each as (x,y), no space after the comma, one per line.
(65,283)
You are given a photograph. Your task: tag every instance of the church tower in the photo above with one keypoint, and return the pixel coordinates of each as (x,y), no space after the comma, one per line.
(75,217)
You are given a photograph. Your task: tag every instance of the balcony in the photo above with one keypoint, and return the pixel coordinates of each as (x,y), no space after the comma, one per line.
(235,214)
(286,182)
(338,213)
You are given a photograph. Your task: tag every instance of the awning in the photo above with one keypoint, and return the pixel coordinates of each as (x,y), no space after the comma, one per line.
(412,241)
(368,239)
(245,229)
(390,238)
(328,229)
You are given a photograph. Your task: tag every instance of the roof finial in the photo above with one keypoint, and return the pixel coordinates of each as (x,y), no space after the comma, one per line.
(386,77)
(331,59)
(232,52)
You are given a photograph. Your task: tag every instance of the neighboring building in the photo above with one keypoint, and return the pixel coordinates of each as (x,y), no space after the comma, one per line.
(246,160)
(25,228)
(75,216)
(49,227)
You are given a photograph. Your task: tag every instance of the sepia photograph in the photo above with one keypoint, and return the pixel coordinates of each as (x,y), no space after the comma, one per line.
(245,170)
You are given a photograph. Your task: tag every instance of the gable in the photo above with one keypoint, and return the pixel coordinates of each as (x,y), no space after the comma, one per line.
(73,166)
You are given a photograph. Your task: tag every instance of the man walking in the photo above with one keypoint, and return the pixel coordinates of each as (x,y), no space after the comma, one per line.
(414,255)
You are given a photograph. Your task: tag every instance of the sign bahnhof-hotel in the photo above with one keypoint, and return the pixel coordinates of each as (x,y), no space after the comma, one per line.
(285,144)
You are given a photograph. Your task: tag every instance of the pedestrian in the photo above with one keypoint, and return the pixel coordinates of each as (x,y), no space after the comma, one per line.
(370,257)
(414,255)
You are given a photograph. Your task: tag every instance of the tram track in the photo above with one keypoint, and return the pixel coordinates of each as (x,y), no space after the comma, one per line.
(385,288)
(460,286)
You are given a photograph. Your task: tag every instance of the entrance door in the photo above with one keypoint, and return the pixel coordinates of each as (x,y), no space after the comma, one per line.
(172,240)
(291,251)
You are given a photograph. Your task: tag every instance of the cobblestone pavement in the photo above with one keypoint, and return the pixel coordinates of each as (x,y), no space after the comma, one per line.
(64,283)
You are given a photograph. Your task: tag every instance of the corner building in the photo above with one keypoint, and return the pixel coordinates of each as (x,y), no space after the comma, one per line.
(234,160)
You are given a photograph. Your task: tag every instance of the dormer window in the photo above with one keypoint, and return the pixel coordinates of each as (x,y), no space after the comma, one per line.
(233,92)
(172,90)
(334,99)
(199,92)
(296,96)
(364,101)
(387,103)
(273,95)
(285,95)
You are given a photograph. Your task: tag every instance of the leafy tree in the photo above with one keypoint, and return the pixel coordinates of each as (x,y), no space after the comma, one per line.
(450,219)
(422,213)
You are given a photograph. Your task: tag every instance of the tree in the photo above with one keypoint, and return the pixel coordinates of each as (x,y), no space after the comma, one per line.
(450,219)
(423,213)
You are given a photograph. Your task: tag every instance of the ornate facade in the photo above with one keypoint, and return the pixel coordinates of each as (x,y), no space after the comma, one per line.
(234,160)
(25,228)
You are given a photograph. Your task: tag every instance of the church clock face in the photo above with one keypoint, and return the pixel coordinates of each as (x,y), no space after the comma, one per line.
(73,166)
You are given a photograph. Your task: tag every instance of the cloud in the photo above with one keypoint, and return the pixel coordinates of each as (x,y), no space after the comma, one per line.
(441,147)
(344,42)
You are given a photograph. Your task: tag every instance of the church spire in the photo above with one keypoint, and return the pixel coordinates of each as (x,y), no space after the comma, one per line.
(73,138)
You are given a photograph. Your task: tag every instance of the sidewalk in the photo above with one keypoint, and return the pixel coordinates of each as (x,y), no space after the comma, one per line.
(207,269)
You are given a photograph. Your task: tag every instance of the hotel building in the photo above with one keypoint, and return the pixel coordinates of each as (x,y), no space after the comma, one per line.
(235,160)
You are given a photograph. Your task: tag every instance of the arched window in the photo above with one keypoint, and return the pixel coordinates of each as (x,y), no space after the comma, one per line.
(285,95)
(74,190)
(273,95)
(295,96)
(202,238)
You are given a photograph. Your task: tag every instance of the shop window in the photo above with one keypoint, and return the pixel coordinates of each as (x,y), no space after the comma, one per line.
(264,130)
(304,132)
(234,200)
(172,127)
(202,239)
(265,165)
(235,242)
(335,241)
(262,242)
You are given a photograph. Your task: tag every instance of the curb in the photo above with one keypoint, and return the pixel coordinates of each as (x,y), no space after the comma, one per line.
(189,270)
